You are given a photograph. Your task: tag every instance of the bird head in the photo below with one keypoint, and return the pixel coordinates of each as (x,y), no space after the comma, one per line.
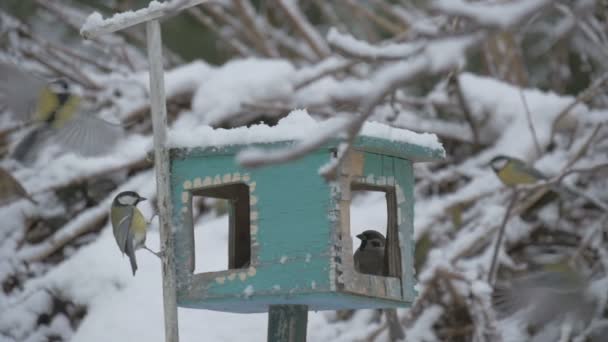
(59,86)
(127,198)
(371,239)
(499,162)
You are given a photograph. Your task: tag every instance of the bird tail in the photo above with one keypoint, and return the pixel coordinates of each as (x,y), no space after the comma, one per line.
(395,330)
(131,253)
(28,147)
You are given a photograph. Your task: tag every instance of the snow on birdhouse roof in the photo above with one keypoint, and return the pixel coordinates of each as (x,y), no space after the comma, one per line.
(300,126)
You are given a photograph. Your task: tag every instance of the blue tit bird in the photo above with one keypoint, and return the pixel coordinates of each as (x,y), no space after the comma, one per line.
(556,292)
(512,171)
(369,259)
(129,225)
(11,190)
(56,113)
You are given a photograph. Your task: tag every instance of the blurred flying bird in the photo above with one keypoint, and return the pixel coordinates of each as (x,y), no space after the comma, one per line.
(11,190)
(56,114)
(129,225)
(369,259)
(556,292)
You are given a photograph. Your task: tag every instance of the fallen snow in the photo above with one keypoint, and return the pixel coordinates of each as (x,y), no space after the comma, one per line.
(126,308)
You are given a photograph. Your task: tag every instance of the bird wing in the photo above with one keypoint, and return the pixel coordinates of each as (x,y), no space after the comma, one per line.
(130,251)
(138,226)
(19,91)
(88,135)
(522,166)
(545,295)
(122,229)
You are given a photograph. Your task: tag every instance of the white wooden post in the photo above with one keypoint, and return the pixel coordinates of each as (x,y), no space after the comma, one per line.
(162,165)
(94,27)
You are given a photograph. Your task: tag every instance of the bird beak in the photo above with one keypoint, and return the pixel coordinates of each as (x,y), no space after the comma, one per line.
(361,237)
(142,198)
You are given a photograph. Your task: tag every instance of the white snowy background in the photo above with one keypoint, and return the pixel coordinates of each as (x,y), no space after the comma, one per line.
(525,78)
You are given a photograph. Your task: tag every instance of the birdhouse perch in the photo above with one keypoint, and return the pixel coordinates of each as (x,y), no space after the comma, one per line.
(289,229)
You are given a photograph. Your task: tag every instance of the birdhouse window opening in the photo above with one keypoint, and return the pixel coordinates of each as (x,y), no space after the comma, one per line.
(235,196)
(382,218)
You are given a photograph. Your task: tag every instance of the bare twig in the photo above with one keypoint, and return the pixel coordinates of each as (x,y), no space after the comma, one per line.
(466,110)
(253,30)
(232,42)
(304,28)
(501,233)
(377,19)
(530,122)
(584,96)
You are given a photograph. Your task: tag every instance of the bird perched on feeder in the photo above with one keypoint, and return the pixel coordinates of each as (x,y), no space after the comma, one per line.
(56,113)
(369,259)
(556,292)
(11,189)
(129,225)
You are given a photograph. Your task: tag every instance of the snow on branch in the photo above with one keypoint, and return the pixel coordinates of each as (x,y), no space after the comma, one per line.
(95,25)
(349,45)
(501,15)
(437,56)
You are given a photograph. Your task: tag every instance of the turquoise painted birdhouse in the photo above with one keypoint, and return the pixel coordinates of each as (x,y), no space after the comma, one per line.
(289,238)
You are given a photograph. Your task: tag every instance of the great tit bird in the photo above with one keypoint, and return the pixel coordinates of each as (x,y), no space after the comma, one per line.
(56,114)
(512,171)
(556,292)
(129,225)
(369,259)
(11,189)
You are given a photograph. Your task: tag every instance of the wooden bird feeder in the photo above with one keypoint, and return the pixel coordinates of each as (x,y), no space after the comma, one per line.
(289,229)
(290,248)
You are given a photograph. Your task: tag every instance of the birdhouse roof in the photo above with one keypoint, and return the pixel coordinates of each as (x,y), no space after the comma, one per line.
(299,126)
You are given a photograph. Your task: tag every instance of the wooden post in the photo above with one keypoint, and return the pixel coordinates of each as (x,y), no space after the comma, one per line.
(162,168)
(287,323)
(151,16)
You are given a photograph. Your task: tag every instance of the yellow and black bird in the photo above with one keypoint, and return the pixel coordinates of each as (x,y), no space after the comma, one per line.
(512,171)
(129,225)
(56,113)
(11,190)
